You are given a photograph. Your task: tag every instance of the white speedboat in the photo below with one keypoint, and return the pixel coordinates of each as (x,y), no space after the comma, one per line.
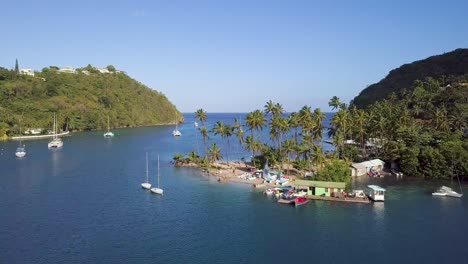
(146,185)
(157,190)
(270,191)
(447,191)
(440,192)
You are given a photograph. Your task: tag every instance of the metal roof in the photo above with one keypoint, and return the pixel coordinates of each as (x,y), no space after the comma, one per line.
(376,188)
(322,184)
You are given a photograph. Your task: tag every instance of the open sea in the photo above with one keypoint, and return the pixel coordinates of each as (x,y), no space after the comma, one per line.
(84,204)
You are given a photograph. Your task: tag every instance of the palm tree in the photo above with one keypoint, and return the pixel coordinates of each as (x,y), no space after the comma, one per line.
(215,153)
(225,131)
(458,120)
(278,110)
(252,145)
(318,156)
(319,116)
(238,131)
(201,115)
(269,107)
(294,123)
(335,103)
(288,147)
(278,127)
(204,133)
(441,121)
(255,121)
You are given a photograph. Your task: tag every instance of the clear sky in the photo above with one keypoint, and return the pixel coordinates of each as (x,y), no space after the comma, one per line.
(233,56)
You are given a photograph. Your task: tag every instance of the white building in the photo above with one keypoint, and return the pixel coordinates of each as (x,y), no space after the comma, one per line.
(67,70)
(363,168)
(103,70)
(29,72)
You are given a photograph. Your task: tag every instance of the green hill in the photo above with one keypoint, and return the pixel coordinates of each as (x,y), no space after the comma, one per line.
(82,100)
(447,65)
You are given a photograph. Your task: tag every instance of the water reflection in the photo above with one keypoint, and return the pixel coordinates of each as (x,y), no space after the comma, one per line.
(378,208)
(56,155)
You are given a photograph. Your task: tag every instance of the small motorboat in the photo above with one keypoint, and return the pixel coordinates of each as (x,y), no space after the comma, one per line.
(270,191)
(300,201)
(440,192)
(447,191)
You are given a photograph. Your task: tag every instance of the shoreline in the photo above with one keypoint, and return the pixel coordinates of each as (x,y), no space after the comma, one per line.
(68,133)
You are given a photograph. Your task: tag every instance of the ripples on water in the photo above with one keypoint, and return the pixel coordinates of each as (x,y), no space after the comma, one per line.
(84,204)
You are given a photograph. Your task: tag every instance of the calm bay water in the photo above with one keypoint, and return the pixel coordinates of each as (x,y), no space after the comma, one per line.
(84,204)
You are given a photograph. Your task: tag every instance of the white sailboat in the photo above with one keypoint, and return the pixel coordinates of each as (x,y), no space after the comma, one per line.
(108,134)
(56,141)
(157,190)
(176,132)
(20,151)
(146,185)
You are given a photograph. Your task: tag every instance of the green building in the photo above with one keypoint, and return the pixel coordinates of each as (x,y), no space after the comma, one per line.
(320,188)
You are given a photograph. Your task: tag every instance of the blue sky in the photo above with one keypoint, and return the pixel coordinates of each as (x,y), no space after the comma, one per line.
(233,56)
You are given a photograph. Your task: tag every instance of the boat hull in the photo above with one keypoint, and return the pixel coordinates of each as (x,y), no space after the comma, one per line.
(455,195)
(300,201)
(157,191)
(20,154)
(56,143)
(146,186)
(109,135)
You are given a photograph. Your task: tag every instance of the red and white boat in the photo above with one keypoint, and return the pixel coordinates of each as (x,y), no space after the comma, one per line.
(300,201)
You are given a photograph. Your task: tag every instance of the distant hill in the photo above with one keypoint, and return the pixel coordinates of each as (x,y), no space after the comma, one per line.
(82,98)
(451,64)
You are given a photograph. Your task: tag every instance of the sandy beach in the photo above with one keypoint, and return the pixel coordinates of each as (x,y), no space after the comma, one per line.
(231,172)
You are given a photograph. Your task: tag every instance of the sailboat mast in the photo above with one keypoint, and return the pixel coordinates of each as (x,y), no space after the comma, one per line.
(158,170)
(146,167)
(54,126)
(108,127)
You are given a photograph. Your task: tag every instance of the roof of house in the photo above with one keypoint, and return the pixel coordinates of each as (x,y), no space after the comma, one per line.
(376,188)
(323,184)
(369,163)
(358,166)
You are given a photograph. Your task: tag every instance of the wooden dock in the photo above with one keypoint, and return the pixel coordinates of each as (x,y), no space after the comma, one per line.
(346,200)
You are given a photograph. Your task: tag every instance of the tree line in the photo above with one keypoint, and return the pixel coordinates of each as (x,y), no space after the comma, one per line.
(82,101)
(420,131)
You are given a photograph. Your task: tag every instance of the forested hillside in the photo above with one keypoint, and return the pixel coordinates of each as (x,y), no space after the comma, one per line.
(445,67)
(82,100)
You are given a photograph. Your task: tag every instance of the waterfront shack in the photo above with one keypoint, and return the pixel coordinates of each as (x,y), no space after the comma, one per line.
(367,167)
(320,188)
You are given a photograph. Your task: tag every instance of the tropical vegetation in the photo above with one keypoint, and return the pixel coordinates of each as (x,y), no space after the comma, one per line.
(83,101)
(421,131)
(445,68)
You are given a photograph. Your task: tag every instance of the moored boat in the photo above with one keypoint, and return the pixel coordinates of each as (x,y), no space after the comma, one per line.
(376,193)
(447,191)
(300,201)
(146,185)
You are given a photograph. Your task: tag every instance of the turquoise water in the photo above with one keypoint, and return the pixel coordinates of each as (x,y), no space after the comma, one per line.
(84,204)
